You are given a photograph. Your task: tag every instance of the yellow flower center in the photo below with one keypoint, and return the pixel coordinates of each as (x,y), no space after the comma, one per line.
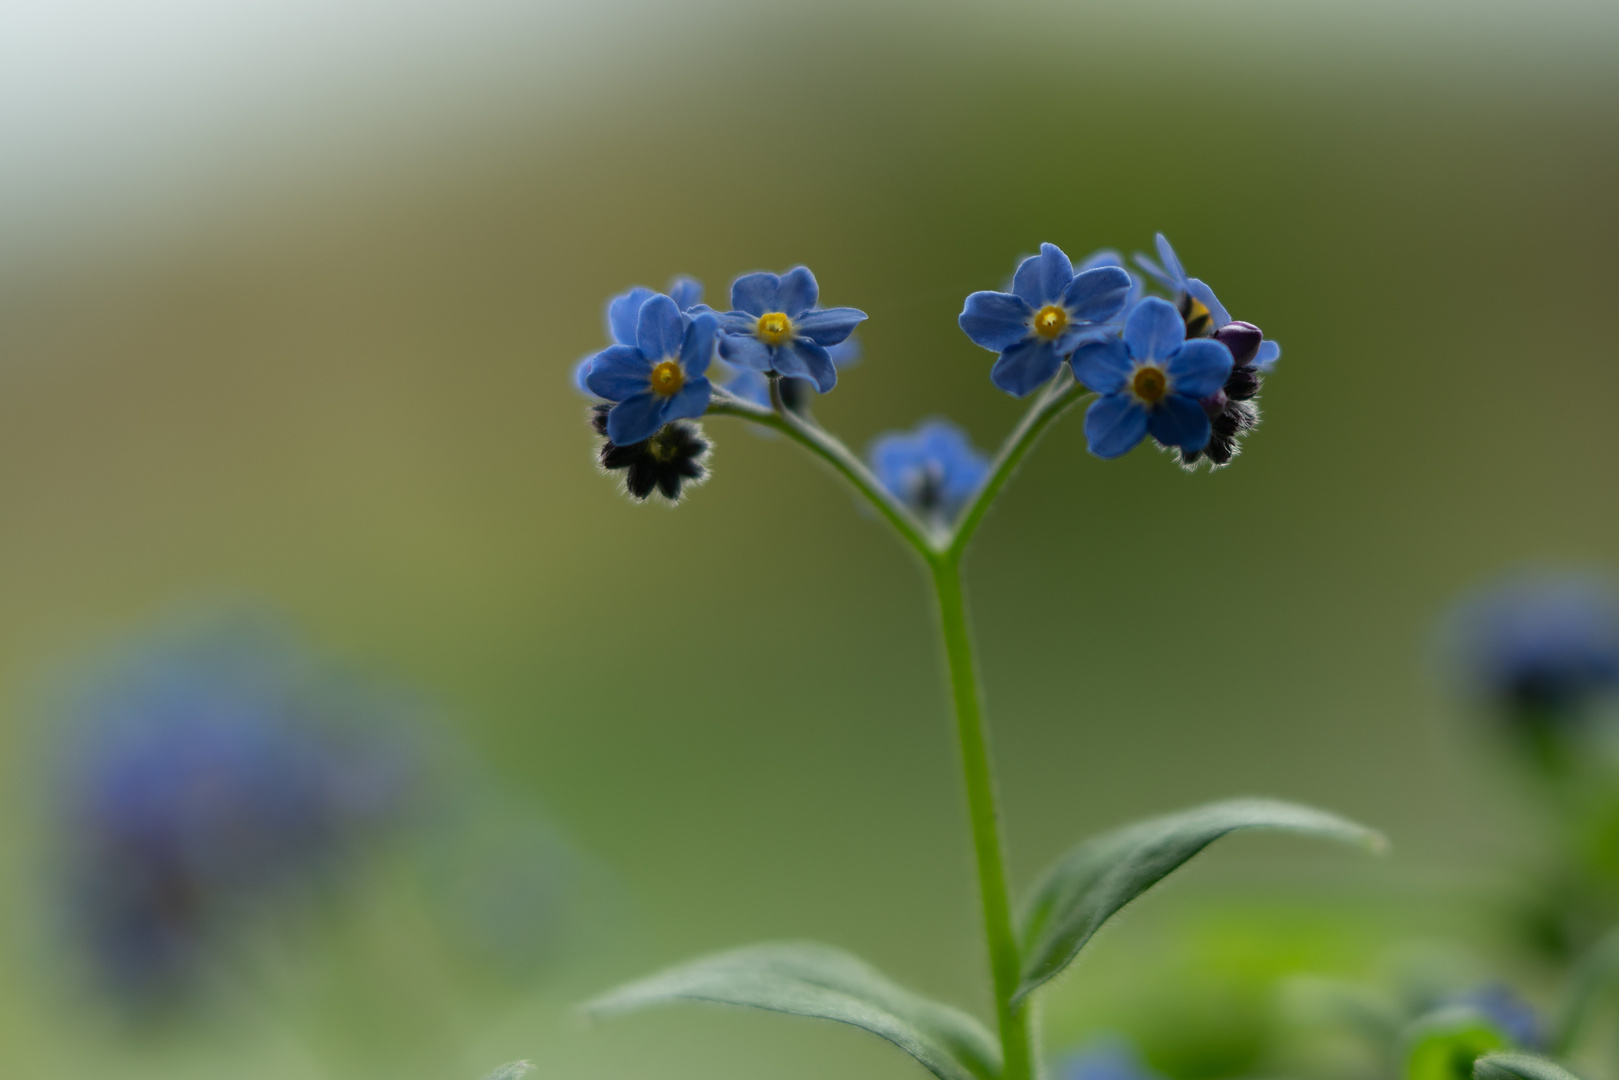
(1196,314)
(1149,384)
(667,378)
(775,328)
(1050,321)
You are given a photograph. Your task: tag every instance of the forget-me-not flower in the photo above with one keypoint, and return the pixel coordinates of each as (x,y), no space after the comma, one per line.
(1199,307)
(754,386)
(1050,311)
(1543,646)
(623,314)
(674,457)
(934,469)
(774,325)
(1107,1058)
(659,378)
(1506,1011)
(1151,380)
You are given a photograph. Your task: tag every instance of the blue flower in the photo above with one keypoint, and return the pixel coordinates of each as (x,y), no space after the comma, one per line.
(1049,312)
(934,469)
(774,325)
(659,378)
(1269,353)
(1110,257)
(754,386)
(1109,1058)
(623,314)
(1151,380)
(1542,645)
(209,776)
(1506,1011)
(1199,307)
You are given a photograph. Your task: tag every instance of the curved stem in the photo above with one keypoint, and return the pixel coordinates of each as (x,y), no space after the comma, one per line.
(1057,398)
(824,446)
(995,898)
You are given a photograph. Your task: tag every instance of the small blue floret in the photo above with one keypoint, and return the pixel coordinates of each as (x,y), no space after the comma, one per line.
(1151,380)
(1169,273)
(1049,313)
(660,377)
(934,469)
(774,325)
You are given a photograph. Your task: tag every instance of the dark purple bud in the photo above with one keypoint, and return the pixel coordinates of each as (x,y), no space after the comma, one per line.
(1215,404)
(1242,383)
(1242,339)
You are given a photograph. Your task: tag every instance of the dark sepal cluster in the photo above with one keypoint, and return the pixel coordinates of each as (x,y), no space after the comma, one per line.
(1232,411)
(675,456)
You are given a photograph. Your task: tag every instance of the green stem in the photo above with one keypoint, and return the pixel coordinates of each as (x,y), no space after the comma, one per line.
(994,896)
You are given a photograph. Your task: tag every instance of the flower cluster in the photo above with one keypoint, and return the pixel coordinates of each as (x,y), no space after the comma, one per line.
(1172,366)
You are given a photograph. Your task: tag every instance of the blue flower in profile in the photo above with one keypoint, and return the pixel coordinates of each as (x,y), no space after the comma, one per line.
(934,469)
(1199,307)
(1544,645)
(1151,379)
(774,325)
(1050,311)
(659,378)
(1108,1058)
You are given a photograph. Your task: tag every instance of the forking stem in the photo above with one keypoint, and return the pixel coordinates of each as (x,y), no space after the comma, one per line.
(942,551)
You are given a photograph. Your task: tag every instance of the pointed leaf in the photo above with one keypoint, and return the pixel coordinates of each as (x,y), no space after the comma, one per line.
(510,1071)
(1519,1067)
(1092,882)
(806,979)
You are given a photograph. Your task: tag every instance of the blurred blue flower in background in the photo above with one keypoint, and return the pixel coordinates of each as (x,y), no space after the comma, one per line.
(208,777)
(1506,1012)
(934,469)
(1542,645)
(1107,1058)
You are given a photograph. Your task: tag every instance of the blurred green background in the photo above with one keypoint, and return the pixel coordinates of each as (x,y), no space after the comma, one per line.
(319,356)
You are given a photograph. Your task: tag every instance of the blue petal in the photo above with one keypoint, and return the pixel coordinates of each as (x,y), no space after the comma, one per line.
(686,292)
(1097,294)
(1200,368)
(1103,367)
(697,347)
(1114,424)
(581,371)
(661,329)
(1269,353)
(1025,367)
(1157,273)
(801,358)
(829,326)
(755,294)
(690,403)
(635,419)
(996,320)
(739,322)
(624,312)
(1180,421)
(1203,293)
(845,353)
(750,385)
(1171,261)
(619,372)
(746,351)
(1078,334)
(1100,257)
(1155,330)
(1041,278)
(797,292)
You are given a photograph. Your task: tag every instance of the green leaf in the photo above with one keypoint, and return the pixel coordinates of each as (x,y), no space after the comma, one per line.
(510,1071)
(1519,1067)
(806,979)
(1092,882)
